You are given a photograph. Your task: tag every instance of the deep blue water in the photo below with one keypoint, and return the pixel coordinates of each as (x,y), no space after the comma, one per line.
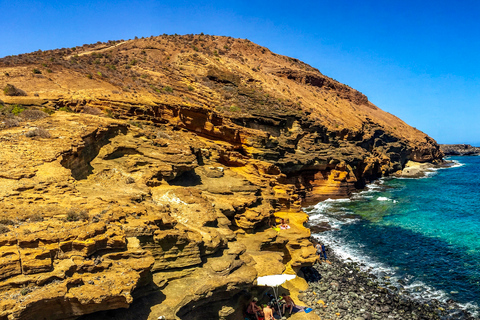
(424,232)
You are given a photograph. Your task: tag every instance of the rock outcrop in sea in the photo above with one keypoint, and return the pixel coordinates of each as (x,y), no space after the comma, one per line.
(147,173)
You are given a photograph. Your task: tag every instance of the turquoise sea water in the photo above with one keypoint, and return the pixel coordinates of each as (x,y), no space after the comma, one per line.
(422,235)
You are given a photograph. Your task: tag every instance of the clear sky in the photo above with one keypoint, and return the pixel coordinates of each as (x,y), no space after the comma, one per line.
(419,60)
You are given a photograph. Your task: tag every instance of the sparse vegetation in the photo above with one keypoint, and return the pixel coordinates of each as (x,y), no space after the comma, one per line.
(66,109)
(36,71)
(77,215)
(190,88)
(17,109)
(234,109)
(168,89)
(136,124)
(48,111)
(25,291)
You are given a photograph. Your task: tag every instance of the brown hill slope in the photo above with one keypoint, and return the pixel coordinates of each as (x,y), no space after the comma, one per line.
(229,87)
(164,181)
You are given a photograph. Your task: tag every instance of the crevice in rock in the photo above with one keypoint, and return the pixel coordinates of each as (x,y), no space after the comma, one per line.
(78,161)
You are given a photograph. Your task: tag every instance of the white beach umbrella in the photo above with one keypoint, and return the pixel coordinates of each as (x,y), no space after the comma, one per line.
(275,281)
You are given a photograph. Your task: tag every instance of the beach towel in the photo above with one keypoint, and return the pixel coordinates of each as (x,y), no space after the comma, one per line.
(301,309)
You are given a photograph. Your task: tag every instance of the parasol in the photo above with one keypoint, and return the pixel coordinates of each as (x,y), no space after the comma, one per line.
(274,281)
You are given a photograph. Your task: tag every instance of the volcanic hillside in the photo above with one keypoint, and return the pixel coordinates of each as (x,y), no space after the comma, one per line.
(222,88)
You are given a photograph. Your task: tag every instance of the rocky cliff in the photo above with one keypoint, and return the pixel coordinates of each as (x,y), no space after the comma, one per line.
(459,150)
(149,171)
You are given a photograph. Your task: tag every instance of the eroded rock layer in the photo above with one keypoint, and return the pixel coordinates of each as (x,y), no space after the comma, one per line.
(152,169)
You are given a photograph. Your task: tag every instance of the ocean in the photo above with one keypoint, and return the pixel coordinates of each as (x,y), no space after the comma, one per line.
(421,237)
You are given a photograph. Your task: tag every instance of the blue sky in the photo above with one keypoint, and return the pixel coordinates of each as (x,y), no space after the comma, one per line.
(419,60)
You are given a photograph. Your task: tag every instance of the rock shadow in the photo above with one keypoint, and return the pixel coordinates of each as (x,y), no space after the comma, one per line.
(186,179)
(140,309)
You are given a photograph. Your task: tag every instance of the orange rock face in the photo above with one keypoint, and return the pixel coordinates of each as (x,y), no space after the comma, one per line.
(158,191)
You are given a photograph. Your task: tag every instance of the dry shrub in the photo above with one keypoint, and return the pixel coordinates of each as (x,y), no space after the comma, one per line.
(11,90)
(76,215)
(11,122)
(36,217)
(92,110)
(3,229)
(6,221)
(38,132)
(33,114)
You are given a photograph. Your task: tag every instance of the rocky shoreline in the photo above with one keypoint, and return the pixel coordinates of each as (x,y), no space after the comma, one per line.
(342,290)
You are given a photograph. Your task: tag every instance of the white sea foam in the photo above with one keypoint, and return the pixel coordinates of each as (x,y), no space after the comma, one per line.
(384,199)
(456,164)
(326,211)
(337,200)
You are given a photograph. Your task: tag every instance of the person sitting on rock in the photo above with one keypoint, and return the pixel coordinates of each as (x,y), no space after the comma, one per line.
(254,310)
(284,225)
(318,247)
(268,312)
(288,303)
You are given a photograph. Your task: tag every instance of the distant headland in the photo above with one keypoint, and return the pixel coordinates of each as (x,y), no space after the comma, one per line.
(459,150)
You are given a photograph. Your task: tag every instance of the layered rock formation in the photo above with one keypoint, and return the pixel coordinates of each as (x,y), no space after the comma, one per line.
(161,168)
